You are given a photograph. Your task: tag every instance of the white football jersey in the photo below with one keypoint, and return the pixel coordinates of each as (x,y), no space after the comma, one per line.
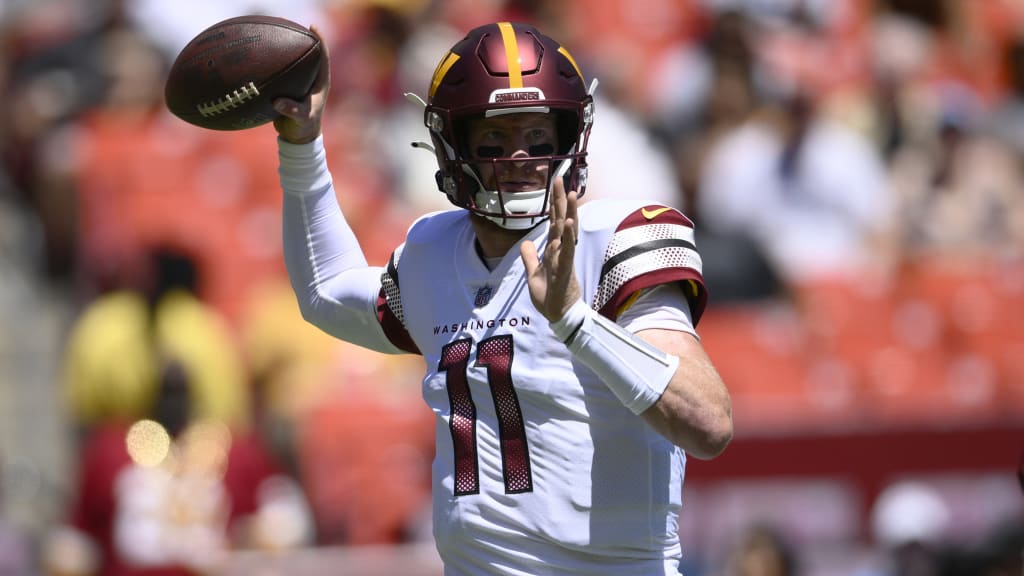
(539,468)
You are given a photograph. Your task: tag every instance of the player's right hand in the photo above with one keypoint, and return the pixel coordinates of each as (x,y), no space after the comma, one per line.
(300,121)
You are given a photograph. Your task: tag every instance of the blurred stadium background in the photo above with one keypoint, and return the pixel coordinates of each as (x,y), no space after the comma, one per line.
(855,169)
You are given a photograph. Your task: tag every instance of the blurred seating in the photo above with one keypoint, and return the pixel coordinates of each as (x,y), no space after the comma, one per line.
(943,344)
(158,181)
(981,306)
(365,456)
(759,353)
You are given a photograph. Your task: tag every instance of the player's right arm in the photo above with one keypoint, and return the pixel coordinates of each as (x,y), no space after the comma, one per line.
(337,291)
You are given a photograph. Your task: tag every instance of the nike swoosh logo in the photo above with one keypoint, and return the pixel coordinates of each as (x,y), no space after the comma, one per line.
(652,214)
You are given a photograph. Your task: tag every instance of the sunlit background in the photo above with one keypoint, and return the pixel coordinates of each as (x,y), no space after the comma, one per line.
(855,170)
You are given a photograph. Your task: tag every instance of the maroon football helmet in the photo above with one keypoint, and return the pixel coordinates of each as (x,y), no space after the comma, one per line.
(497,69)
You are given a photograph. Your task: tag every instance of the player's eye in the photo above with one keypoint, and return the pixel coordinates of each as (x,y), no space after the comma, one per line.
(541,150)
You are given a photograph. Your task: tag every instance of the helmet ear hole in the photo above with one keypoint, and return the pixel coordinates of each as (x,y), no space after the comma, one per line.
(439,178)
(460,128)
(567,123)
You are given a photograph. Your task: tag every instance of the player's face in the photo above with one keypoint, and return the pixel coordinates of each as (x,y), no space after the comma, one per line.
(520,136)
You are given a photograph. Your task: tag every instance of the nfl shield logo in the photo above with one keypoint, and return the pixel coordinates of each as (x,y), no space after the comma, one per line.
(483,296)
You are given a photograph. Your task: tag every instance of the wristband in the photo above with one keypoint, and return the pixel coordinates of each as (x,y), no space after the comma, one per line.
(302,168)
(570,323)
(635,371)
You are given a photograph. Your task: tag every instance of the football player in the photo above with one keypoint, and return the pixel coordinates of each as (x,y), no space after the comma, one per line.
(562,364)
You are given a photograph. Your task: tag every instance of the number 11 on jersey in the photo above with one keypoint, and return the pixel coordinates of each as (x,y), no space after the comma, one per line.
(494,354)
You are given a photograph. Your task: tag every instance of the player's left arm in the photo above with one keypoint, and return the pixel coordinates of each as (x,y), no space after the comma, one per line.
(664,375)
(695,410)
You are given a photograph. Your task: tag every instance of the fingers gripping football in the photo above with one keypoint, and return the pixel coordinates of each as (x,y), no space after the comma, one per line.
(300,121)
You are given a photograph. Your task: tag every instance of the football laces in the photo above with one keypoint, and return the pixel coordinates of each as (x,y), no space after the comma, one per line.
(229,101)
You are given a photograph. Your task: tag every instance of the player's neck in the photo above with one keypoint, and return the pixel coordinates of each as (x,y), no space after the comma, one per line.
(492,240)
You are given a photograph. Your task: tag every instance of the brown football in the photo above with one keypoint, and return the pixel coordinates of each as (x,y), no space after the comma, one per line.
(228,76)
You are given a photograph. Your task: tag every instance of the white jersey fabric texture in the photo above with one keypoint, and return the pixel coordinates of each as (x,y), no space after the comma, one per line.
(539,469)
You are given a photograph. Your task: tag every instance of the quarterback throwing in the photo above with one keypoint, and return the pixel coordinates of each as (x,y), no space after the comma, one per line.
(562,360)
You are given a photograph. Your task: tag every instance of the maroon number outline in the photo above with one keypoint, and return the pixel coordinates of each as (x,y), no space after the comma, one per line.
(494,354)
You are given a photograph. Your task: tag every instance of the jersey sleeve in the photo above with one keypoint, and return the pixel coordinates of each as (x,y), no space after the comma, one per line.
(336,290)
(389,306)
(663,307)
(650,246)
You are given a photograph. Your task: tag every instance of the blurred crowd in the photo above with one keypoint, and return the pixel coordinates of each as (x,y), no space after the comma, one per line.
(855,170)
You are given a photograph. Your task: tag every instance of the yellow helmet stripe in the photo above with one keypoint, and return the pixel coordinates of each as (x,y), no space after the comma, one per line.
(515,68)
(564,52)
(441,70)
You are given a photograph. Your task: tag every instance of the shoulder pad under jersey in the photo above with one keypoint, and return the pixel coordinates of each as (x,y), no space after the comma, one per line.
(651,244)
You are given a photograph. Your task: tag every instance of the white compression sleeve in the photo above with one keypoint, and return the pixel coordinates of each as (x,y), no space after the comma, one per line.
(636,372)
(336,289)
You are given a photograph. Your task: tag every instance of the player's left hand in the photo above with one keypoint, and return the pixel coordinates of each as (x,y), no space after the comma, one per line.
(552,279)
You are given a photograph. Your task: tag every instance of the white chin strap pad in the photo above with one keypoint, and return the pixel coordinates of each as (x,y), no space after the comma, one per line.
(526,202)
